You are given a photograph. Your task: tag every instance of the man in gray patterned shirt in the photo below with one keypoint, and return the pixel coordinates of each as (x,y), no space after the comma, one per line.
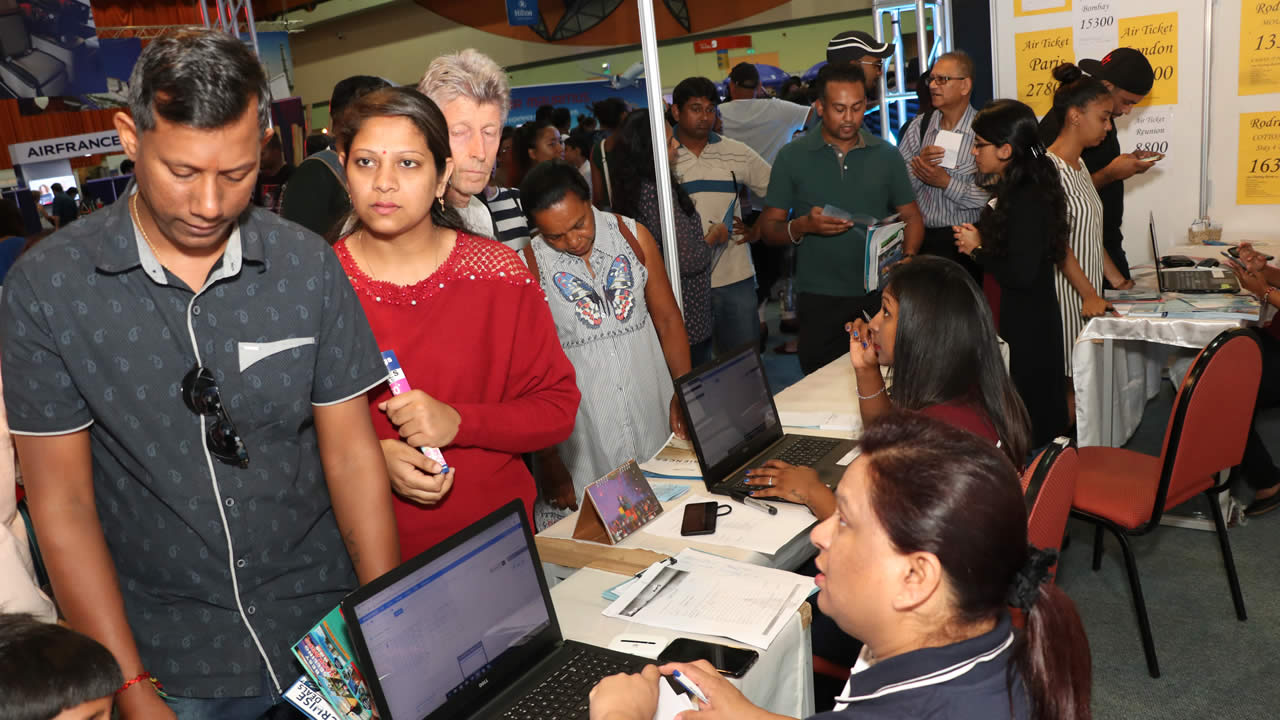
(185,378)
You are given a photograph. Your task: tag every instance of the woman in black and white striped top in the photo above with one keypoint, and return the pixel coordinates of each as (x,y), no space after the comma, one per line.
(1083,105)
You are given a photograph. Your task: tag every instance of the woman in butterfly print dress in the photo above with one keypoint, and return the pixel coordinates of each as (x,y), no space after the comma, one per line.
(619,324)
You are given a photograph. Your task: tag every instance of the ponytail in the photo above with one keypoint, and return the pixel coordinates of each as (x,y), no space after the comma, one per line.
(1052,656)
(1076,89)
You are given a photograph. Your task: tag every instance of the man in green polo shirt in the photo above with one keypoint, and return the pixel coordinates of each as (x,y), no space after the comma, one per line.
(840,165)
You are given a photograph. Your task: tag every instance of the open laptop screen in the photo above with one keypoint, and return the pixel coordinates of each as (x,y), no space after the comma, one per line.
(439,630)
(730,410)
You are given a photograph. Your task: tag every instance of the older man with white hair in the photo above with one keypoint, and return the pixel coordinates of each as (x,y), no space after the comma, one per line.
(472,92)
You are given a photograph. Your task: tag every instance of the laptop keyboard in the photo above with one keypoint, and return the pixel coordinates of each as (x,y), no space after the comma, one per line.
(1192,280)
(563,695)
(808,450)
(805,451)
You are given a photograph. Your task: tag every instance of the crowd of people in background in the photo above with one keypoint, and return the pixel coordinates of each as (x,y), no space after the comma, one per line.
(231,379)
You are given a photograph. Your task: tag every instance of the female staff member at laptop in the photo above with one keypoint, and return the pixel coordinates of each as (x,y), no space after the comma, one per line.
(617,320)
(1260,471)
(466,320)
(934,332)
(923,557)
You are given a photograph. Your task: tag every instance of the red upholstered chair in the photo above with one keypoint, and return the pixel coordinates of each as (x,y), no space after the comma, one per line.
(1127,492)
(1048,486)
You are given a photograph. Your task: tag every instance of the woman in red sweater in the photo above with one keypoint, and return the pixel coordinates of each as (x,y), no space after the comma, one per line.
(467,321)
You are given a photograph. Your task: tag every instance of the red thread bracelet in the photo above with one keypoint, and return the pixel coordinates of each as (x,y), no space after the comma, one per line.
(144,675)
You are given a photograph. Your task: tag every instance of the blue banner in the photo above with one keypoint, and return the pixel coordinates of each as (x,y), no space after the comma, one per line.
(522,12)
(577,96)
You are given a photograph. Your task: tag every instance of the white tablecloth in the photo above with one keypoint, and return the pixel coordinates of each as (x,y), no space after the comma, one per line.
(1138,350)
(831,389)
(1133,353)
(781,681)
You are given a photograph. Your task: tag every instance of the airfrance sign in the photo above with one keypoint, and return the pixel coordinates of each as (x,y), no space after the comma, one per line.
(99,143)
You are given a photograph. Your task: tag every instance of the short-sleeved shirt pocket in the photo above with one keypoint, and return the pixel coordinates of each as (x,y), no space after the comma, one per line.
(271,374)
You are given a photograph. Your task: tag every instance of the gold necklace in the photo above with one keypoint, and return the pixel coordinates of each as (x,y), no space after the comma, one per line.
(133,211)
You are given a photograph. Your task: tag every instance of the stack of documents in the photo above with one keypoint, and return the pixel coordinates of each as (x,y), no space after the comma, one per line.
(695,592)
(1217,307)
(745,527)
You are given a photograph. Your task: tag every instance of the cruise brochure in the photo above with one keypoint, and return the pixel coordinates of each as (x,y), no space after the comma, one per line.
(326,654)
(885,247)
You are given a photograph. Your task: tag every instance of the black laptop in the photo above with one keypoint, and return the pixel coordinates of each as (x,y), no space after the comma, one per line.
(734,425)
(466,630)
(1198,280)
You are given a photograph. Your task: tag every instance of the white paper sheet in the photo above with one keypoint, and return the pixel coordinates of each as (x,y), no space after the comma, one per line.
(950,142)
(675,460)
(671,704)
(702,593)
(819,420)
(744,527)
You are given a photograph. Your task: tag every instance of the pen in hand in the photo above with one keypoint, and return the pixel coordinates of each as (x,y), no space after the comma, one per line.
(688,685)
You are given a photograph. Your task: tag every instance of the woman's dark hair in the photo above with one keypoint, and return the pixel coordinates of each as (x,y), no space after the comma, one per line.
(11,224)
(789,86)
(562,117)
(940,306)
(548,183)
(508,132)
(633,163)
(1009,122)
(426,117)
(47,668)
(1077,90)
(526,138)
(580,140)
(938,489)
(609,112)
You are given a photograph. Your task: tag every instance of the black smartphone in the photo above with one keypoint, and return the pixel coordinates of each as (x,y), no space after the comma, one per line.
(699,518)
(731,661)
(1234,251)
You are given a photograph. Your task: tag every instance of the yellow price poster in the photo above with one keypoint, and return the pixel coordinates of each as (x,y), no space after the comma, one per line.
(1258,177)
(1156,36)
(1037,54)
(1022,8)
(1259,47)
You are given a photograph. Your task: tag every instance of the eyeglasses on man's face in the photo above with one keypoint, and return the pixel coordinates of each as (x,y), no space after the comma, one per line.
(942,80)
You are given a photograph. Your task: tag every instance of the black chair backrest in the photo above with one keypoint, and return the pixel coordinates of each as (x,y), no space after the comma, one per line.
(15,41)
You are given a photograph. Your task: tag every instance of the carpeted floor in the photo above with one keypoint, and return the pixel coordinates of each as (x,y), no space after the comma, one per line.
(1211,664)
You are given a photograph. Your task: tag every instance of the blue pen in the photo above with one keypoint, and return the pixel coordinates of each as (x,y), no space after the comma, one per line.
(688,685)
